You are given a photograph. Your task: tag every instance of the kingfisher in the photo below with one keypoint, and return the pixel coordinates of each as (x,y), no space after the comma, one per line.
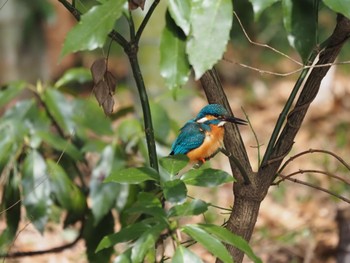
(202,137)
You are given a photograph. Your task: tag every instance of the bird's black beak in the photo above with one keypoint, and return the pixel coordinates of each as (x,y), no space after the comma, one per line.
(234,120)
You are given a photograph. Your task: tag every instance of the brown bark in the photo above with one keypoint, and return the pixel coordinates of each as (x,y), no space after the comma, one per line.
(248,197)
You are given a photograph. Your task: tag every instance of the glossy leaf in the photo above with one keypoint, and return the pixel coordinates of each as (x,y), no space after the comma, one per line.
(180,11)
(92,235)
(36,189)
(126,234)
(10,92)
(206,177)
(195,207)
(93,28)
(300,23)
(67,194)
(80,75)
(184,255)
(133,175)
(173,164)
(145,243)
(211,243)
(175,191)
(229,238)
(103,196)
(149,204)
(125,257)
(260,6)
(12,207)
(174,65)
(161,122)
(210,31)
(61,109)
(339,6)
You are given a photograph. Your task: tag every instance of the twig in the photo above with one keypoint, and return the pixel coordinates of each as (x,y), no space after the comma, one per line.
(145,20)
(262,71)
(46,251)
(314,151)
(238,164)
(264,45)
(317,188)
(312,171)
(254,134)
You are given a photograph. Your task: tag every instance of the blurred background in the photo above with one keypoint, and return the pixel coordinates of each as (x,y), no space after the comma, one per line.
(296,223)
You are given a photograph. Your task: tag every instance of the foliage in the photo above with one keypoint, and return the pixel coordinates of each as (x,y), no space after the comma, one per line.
(46,138)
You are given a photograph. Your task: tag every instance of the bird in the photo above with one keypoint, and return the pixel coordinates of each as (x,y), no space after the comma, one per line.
(202,137)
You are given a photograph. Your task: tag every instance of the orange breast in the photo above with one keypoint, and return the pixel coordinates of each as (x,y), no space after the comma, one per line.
(212,142)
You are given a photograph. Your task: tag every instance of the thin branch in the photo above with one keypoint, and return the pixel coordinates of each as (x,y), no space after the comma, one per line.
(145,20)
(313,58)
(254,134)
(318,188)
(131,26)
(262,71)
(312,171)
(46,251)
(264,45)
(313,151)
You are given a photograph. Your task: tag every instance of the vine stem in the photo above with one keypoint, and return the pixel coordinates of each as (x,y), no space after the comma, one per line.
(131,49)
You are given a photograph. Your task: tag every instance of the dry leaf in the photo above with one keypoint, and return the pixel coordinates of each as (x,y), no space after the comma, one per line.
(134,4)
(108,105)
(98,70)
(111,81)
(101,92)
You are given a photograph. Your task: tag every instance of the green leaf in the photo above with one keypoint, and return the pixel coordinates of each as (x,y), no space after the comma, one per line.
(206,177)
(36,189)
(173,164)
(68,195)
(161,122)
(60,144)
(210,31)
(184,255)
(126,234)
(93,28)
(89,117)
(339,6)
(195,207)
(10,92)
(212,244)
(180,11)
(146,242)
(61,109)
(80,75)
(92,234)
(103,196)
(133,175)
(12,207)
(149,204)
(129,129)
(174,65)
(175,191)
(260,6)
(299,18)
(229,238)
(125,257)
